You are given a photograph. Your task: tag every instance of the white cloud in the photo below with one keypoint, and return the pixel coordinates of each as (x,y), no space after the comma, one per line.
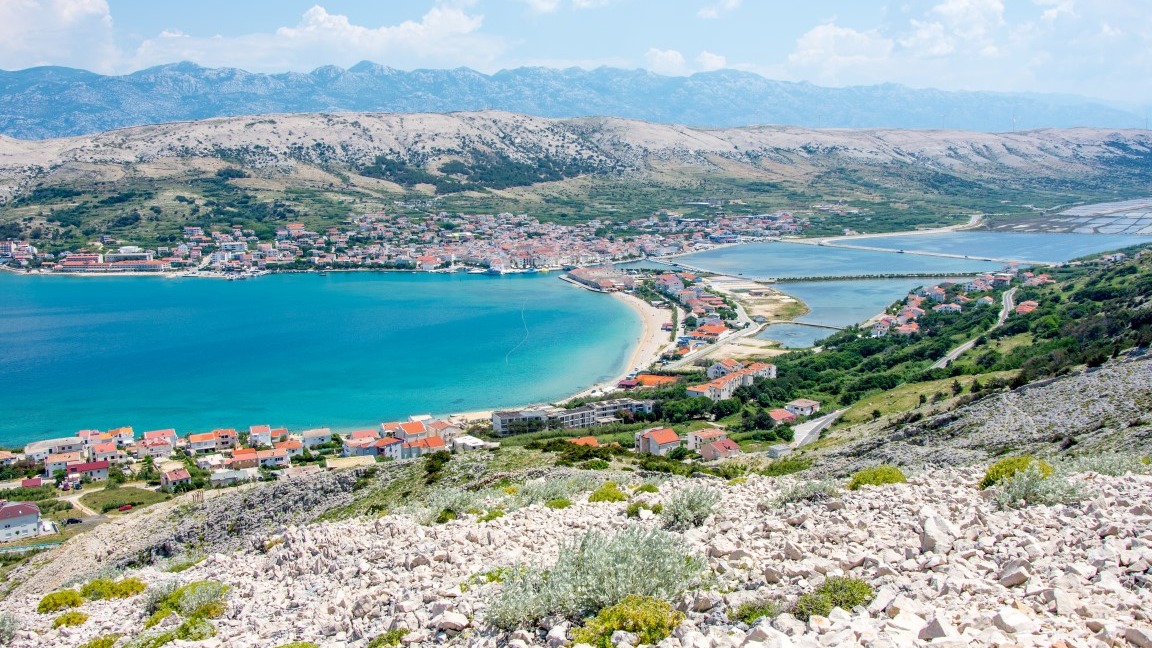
(830,53)
(56,32)
(668,61)
(707,61)
(715,9)
(446,35)
(543,6)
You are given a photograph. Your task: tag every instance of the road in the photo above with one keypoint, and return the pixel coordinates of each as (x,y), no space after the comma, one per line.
(1008,303)
(809,431)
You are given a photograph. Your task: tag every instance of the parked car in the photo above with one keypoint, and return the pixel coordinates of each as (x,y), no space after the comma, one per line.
(126,507)
(73,521)
(65,486)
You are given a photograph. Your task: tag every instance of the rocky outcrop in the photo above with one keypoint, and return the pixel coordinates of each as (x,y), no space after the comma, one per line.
(948,568)
(1099,410)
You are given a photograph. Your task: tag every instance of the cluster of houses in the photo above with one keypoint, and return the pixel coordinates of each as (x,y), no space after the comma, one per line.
(727,375)
(426,242)
(605,278)
(701,304)
(90,454)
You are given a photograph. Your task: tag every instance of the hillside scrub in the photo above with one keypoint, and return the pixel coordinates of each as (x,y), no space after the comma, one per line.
(196,600)
(608,492)
(813,491)
(61,600)
(595,571)
(73,618)
(877,476)
(689,507)
(1035,486)
(650,619)
(106,588)
(835,592)
(1005,468)
(103,641)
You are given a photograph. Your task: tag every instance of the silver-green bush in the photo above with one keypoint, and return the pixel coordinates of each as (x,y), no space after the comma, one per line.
(1113,464)
(689,507)
(545,490)
(9,624)
(813,491)
(447,499)
(594,572)
(1031,486)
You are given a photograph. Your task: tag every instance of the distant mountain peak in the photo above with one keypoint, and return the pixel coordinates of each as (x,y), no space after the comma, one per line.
(48,102)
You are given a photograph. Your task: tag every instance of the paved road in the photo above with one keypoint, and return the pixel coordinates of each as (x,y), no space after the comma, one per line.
(809,431)
(1008,303)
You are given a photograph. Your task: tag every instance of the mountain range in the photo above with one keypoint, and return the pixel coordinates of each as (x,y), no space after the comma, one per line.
(49,102)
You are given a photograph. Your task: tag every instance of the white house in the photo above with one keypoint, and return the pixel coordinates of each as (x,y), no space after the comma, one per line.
(39,450)
(202,443)
(59,462)
(803,407)
(18,520)
(260,435)
(390,447)
(313,438)
(657,441)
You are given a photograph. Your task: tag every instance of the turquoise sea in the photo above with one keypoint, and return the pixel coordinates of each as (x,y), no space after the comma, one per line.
(345,350)
(1009,245)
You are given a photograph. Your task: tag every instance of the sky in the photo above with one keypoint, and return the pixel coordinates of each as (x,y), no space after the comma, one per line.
(1094,48)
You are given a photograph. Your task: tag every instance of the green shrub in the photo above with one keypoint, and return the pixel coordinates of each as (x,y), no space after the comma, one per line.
(558,503)
(785,466)
(196,600)
(652,620)
(73,618)
(646,488)
(444,516)
(301,644)
(1033,486)
(846,593)
(103,641)
(1009,466)
(877,476)
(106,588)
(836,592)
(810,605)
(61,600)
(388,639)
(595,464)
(444,504)
(806,492)
(494,514)
(752,611)
(608,492)
(689,507)
(594,572)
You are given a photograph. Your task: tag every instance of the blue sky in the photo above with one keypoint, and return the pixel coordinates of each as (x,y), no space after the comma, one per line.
(1098,48)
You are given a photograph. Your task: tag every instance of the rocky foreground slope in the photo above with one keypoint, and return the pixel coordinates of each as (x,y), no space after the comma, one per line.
(949,568)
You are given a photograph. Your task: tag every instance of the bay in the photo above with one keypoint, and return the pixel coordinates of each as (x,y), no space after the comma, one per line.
(345,350)
(1054,248)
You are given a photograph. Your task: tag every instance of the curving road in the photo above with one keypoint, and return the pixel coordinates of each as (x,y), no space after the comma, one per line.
(1008,303)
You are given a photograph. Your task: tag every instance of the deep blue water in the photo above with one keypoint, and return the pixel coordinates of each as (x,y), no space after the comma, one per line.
(344,350)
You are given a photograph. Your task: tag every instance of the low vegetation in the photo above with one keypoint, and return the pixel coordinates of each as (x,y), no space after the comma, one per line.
(813,491)
(835,592)
(650,619)
(106,588)
(1006,468)
(558,503)
(103,641)
(388,639)
(596,571)
(196,600)
(110,500)
(60,600)
(785,466)
(753,611)
(73,618)
(689,507)
(877,476)
(608,492)
(1033,485)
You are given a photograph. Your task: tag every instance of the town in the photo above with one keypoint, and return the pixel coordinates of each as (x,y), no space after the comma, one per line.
(442,242)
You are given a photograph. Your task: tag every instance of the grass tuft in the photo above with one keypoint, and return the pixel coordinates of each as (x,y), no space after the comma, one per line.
(877,476)
(650,619)
(608,492)
(1006,468)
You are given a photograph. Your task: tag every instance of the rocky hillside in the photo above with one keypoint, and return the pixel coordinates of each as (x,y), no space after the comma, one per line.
(310,148)
(1098,410)
(51,102)
(946,567)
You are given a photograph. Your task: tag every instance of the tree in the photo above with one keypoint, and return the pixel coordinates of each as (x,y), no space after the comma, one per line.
(875,414)
(956,387)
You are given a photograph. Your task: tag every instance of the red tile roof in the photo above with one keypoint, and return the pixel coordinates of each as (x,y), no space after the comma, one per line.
(662,435)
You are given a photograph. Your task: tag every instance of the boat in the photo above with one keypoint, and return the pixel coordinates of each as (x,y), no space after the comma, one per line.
(494,271)
(322,274)
(476,271)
